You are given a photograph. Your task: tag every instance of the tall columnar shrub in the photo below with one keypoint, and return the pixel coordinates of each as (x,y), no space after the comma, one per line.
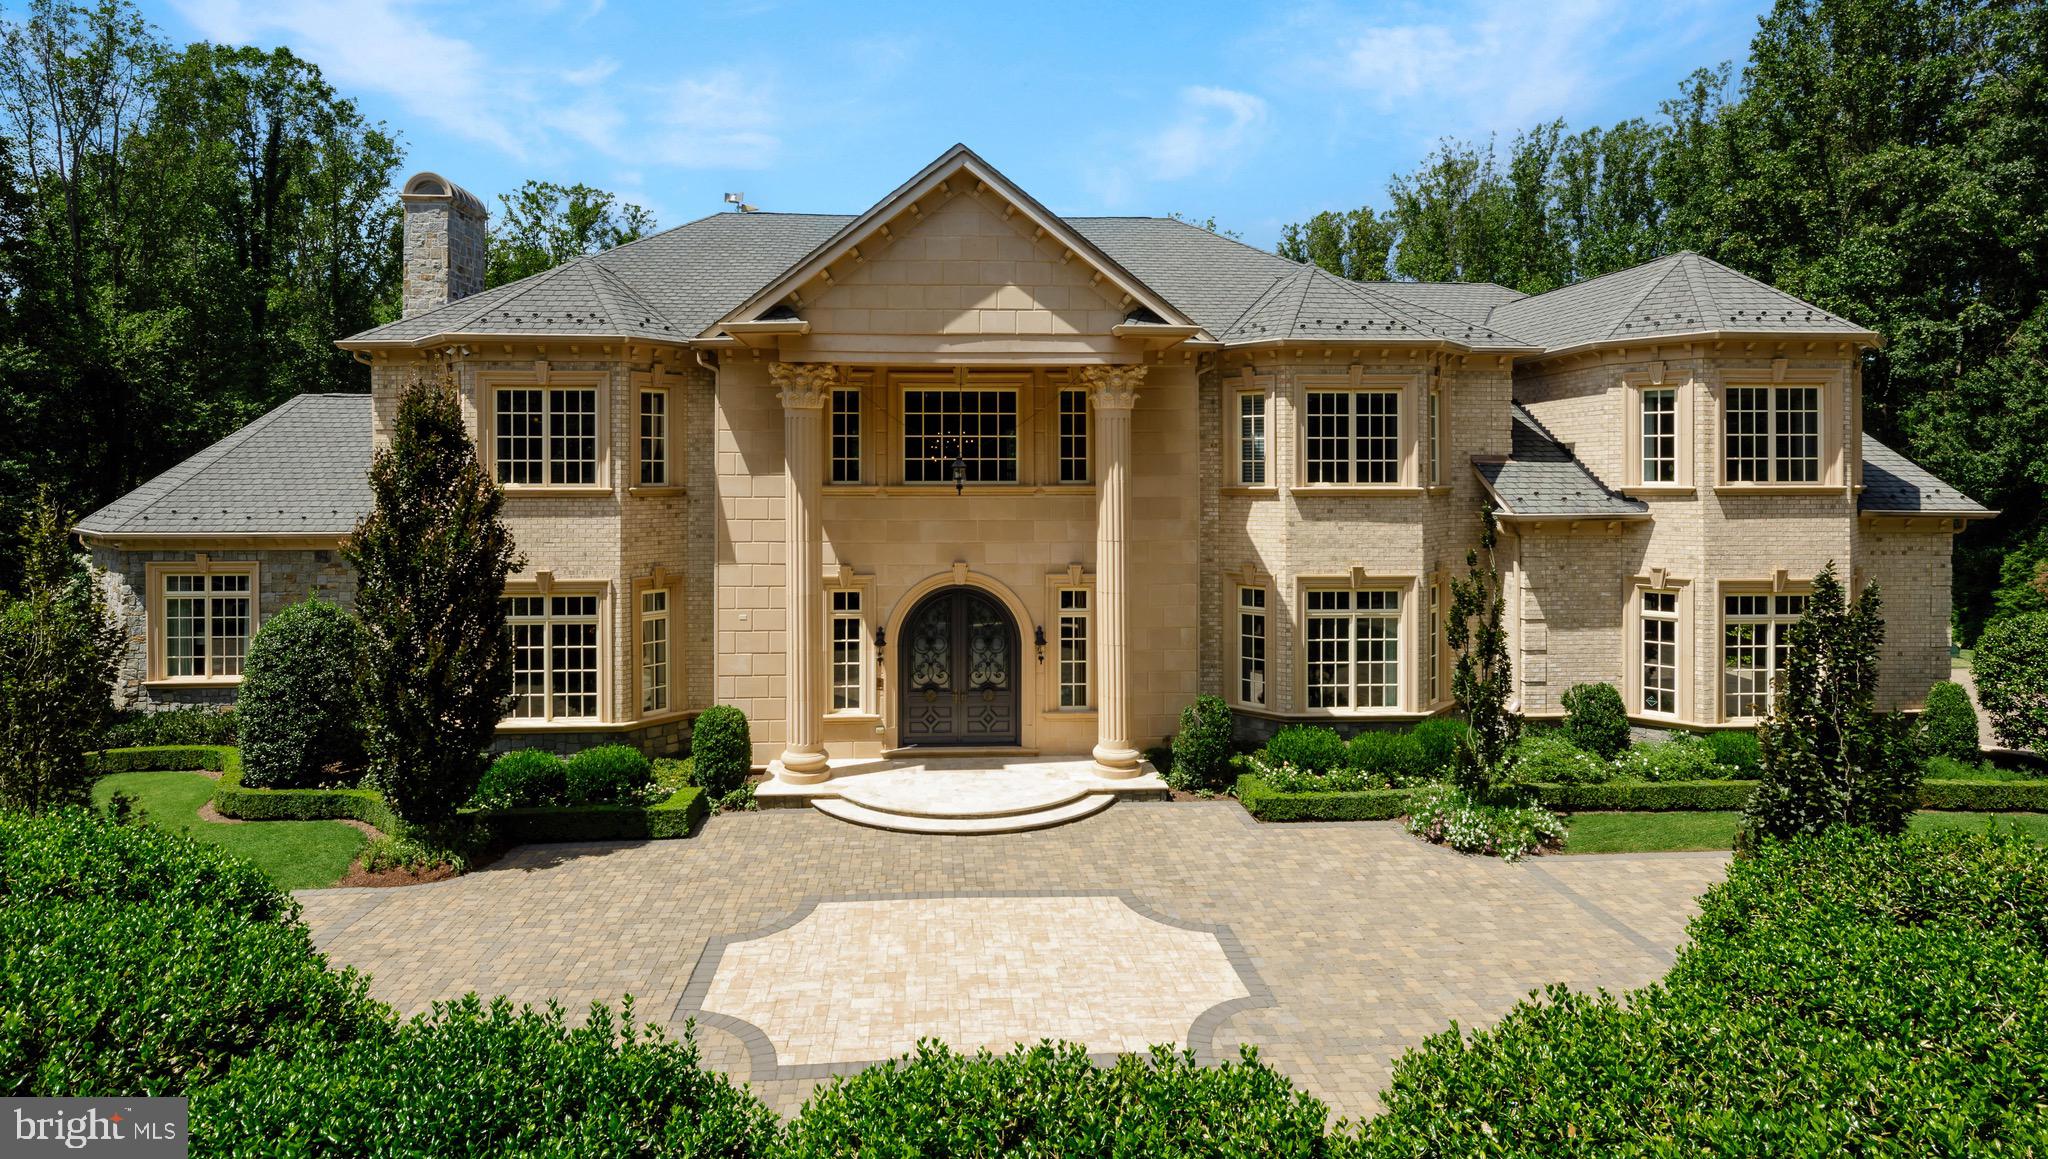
(431,562)
(1595,719)
(60,649)
(1482,680)
(2011,670)
(1948,725)
(1201,749)
(301,711)
(1829,757)
(721,749)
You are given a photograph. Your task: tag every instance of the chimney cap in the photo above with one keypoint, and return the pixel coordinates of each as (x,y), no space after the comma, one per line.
(427,185)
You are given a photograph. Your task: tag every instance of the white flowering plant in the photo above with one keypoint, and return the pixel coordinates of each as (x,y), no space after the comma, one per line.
(1447,815)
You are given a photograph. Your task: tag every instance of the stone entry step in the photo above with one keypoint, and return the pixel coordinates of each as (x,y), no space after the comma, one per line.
(927,792)
(1087,805)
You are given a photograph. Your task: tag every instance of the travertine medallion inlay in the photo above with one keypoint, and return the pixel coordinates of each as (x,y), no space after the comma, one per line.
(856,981)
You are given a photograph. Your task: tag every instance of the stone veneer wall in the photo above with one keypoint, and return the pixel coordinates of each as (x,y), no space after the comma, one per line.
(285,577)
(446,243)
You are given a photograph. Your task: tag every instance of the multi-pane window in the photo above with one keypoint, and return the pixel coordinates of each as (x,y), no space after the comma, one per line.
(846,435)
(1251,646)
(1773,434)
(547,436)
(655,638)
(1660,435)
(1436,437)
(976,428)
(1354,436)
(206,625)
(554,656)
(653,438)
(1073,436)
(1660,651)
(849,656)
(1435,654)
(1754,643)
(1251,439)
(1354,649)
(1073,638)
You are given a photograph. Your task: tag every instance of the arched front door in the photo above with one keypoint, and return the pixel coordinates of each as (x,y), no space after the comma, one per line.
(960,679)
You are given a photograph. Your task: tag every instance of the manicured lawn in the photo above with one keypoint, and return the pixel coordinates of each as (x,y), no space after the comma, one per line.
(296,854)
(1659,832)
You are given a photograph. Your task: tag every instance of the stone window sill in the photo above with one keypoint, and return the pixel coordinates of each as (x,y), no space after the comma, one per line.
(542,490)
(169,682)
(1387,490)
(1779,489)
(656,489)
(1252,492)
(853,718)
(1660,491)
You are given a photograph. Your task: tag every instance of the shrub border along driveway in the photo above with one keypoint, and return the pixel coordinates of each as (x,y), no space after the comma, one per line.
(1269,804)
(679,816)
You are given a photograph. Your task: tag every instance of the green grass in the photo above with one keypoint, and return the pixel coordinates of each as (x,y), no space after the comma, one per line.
(1664,832)
(295,854)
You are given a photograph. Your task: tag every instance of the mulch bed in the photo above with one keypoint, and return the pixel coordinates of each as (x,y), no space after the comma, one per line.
(358,876)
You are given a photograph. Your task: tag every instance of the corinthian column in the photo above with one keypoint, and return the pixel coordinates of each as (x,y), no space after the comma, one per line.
(803,389)
(1113,390)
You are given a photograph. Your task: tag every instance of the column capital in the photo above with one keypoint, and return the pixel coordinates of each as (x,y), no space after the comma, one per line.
(803,385)
(1113,387)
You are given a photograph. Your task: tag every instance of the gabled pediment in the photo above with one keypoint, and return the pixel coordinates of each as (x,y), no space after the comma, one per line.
(959,252)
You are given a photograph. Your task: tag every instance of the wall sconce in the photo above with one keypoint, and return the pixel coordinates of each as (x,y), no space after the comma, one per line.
(881,638)
(1038,638)
(959,476)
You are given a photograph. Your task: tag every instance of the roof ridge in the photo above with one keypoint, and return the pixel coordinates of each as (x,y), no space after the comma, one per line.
(1625,315)
(609,278)
(1415,312)
(1254,304)
(1761,284)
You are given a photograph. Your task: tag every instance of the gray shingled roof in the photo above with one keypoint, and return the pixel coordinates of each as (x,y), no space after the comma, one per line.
(1540,477)
(1682,293)
(1469,301)
(1894,483)
(1311,304)
(302,469)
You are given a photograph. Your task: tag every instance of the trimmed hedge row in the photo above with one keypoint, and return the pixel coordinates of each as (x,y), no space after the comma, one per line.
(1266,803)
(678,816)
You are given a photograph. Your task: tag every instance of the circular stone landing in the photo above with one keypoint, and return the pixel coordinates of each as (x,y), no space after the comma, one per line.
(961,793)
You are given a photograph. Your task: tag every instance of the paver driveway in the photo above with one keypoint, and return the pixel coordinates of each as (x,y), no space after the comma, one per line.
(1354,941)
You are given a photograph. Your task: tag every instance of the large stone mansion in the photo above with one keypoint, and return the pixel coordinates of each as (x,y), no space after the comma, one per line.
(960,474)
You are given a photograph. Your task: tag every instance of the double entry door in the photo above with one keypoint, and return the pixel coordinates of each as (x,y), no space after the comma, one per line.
(960,680)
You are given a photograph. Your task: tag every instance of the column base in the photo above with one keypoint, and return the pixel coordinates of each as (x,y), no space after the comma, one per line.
(1116,762)
(800,767)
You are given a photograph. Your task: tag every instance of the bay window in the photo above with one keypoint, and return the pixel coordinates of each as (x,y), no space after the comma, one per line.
(554,656)
(1354,648)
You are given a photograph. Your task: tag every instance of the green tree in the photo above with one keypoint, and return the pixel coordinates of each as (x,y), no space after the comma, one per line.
(1482,680)
(60,649)
(1829,757)
(431,561)
(1351,245)
(1208,223)
(545,224)
(2011,670)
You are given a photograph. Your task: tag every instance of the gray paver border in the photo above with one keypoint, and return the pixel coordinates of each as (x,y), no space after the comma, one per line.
(1663,954)
(764,1066)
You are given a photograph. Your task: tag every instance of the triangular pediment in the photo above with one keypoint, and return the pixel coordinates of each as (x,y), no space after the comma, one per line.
(958,249)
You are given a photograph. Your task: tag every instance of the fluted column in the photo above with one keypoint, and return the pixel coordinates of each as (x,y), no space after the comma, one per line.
(804,389)
(1114,391)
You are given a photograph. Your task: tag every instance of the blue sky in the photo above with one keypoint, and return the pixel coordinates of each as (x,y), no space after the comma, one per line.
(1259,114)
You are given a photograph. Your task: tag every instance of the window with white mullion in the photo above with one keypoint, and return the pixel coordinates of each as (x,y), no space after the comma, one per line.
(1354,649)
(547,436)
(1660,435)
(1251,646)
(1073,436)
(1353,436)
(849,652)
(976,428)
(207,624)
(1755,630)
(1659,617)
(846,435)
(1251,439)
(1773,434)
(554,656)
(1436,438)
(1074,644)
(1434,677)
(654,650)
(654,438)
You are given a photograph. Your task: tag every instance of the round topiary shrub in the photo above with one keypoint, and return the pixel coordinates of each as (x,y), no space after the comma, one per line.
(722,749)
(1738,751)
(523,779)
(298,710)
(1308,747)
(612,774)
(1439,738)
(1201,749)
(1396,757)
(1595,719)
(1948,726)
(2011,669)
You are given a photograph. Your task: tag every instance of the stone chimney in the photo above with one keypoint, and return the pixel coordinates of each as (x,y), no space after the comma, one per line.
(445,241)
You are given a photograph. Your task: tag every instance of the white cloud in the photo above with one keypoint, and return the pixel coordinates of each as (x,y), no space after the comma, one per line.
(721,118)
(1483,66)
(1212,124)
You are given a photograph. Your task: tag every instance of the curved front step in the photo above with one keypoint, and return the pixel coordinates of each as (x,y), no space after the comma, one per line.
(845,810)
(922,792)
